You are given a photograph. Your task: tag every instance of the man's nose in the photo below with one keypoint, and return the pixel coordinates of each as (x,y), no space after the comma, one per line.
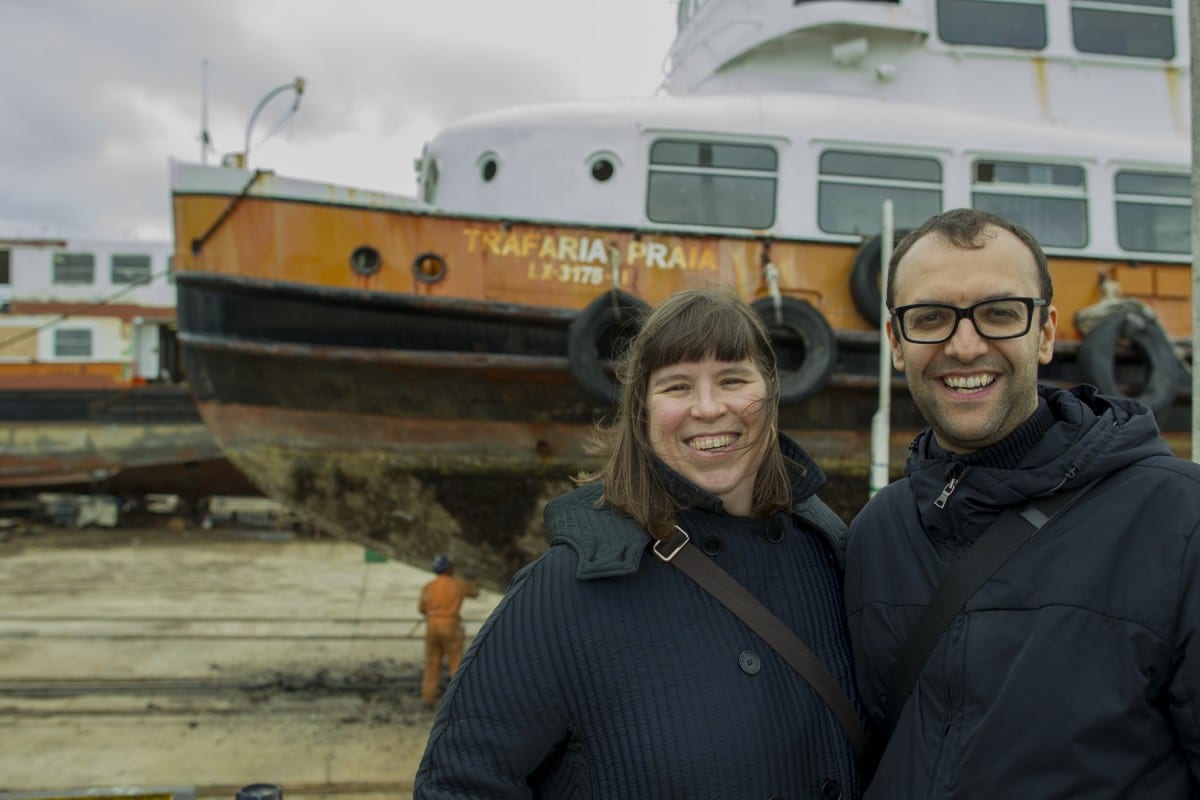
(965,342)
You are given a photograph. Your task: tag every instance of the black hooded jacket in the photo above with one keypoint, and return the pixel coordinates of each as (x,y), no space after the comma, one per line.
(1074,671)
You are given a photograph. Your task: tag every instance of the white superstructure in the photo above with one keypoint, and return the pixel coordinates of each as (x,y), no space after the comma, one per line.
(793,118)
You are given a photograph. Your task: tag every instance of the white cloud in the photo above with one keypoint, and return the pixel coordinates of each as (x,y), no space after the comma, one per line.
(102,93)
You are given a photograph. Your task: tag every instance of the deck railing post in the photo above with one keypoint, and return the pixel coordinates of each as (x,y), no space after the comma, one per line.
(881,422)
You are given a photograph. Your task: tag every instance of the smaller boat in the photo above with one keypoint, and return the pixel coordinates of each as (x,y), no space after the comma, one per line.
(92,395)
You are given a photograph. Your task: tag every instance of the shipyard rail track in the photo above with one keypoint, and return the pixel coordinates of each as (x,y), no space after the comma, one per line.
(209,665)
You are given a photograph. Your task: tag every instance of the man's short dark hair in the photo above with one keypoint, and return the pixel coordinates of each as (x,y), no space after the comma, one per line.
(963,228)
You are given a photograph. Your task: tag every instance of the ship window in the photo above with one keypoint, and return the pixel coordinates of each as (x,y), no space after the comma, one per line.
(133,268)
(854,185)
(712,183)
(74,267)
(1154,212)
(998,23)
(5,275)
(1142,28)
(1049,200)
(73,343)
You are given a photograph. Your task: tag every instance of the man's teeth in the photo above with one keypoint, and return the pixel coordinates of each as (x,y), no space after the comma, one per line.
(969,382)
(711,442)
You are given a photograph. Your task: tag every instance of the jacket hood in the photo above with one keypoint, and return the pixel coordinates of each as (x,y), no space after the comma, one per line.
(1091,436)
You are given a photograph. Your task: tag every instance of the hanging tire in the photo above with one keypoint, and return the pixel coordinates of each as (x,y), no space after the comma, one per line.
(864,276)
(597,335)
(804,346)
(1097,359)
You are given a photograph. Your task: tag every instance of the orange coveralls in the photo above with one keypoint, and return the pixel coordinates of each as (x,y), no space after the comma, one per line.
(441,600)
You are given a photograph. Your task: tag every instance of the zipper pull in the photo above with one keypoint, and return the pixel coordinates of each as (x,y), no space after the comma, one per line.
(949,488)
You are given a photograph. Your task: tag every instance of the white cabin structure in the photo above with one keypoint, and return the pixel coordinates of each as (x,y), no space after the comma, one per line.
(107,306)
(793,119)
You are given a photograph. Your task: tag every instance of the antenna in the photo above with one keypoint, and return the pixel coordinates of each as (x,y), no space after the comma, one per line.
(205,142)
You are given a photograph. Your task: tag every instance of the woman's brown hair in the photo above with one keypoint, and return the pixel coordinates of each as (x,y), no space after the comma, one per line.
(687,327)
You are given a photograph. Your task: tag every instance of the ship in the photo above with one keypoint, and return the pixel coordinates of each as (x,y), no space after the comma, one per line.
(421,374)
(92,394)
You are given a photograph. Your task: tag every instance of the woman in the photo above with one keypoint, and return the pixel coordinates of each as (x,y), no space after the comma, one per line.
(606,672)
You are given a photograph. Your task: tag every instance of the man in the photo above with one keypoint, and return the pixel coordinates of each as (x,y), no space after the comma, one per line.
(1073,672)
(441,602)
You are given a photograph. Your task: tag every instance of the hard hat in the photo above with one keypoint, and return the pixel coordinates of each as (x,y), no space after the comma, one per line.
(440,563)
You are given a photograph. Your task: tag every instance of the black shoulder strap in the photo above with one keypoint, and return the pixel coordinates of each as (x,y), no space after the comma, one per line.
(758,618)
(1014,527)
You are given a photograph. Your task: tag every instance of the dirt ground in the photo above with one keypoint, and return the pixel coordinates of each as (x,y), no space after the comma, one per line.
(210,659)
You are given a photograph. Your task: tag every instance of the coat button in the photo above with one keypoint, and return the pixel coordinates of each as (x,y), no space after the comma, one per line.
(776,528)
(831,790)
(749,662)
(711,544)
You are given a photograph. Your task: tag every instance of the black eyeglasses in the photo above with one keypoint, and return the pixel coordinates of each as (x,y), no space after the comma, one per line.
(999,318)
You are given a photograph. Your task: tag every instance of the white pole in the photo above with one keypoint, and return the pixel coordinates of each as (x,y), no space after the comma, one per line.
(1194,30)
(881,422)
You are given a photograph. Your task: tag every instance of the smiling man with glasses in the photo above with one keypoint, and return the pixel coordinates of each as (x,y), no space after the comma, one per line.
(1049,653)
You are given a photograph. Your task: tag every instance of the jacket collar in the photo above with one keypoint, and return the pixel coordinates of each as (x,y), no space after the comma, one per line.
(609,543)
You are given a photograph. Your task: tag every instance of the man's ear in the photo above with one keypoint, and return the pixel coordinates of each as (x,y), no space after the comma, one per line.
(1046,335)
(897,353)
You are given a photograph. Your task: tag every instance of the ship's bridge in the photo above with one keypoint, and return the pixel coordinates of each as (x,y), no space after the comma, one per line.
(1112,64)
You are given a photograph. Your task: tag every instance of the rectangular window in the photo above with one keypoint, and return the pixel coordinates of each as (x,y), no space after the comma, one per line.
(77,268)
(5,268)
(1050,200)
(73,343)
(1141,28)
(1154,212)
(996,23)
(853,186)
(712,183)
(131,268)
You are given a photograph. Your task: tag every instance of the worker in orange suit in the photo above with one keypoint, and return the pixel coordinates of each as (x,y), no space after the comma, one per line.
(441,600)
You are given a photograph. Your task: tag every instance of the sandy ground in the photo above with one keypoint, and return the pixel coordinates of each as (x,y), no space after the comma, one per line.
(209,659)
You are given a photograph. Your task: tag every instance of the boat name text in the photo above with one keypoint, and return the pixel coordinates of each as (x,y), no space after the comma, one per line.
(578,259)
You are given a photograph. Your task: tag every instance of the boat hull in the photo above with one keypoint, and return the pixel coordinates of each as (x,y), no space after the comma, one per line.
(417,426)
(127,441)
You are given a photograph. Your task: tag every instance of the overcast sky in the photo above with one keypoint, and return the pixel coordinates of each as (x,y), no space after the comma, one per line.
(99,95)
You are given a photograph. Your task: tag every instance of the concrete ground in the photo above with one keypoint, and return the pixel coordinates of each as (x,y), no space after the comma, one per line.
(209,659)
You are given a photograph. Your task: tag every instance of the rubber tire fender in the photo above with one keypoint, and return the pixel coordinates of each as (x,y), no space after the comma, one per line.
(864,276)
(802,326)
(608,319)
(1097,351)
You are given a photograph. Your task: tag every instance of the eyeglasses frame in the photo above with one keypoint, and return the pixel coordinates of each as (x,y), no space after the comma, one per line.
(967,313)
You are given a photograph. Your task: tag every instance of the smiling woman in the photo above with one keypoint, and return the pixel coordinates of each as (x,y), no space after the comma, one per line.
(579,673)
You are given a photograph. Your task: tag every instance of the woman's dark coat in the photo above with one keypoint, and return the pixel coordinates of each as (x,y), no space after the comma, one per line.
(606,673)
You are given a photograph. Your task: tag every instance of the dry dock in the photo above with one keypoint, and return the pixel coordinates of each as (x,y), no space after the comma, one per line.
(209,659)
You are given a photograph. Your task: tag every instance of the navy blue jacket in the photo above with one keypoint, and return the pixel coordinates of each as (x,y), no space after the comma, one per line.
(606,673)
(1074,672)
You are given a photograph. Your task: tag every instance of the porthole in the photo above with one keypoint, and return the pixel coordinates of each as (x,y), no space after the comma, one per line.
(365,260)
(602,165)
(488,169)
(602,170)
(429,267)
